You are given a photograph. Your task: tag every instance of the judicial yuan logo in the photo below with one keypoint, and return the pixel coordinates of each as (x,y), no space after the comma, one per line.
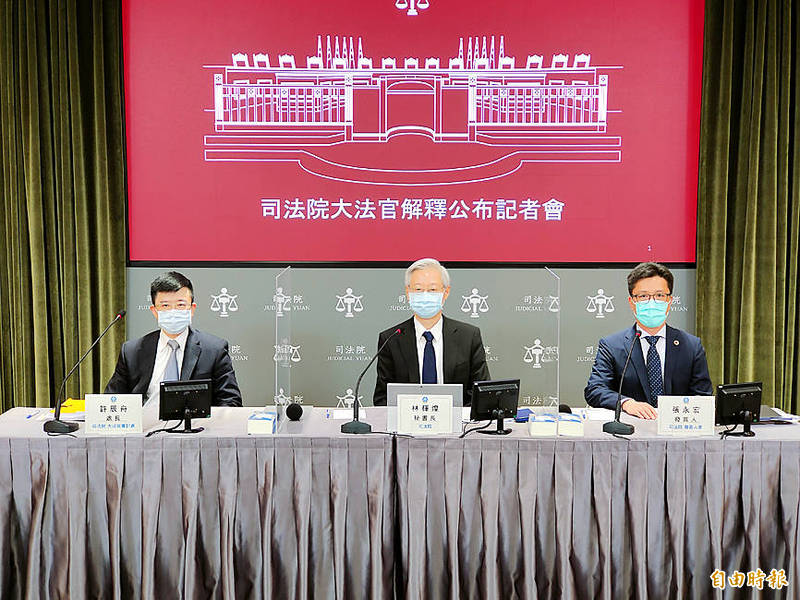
(411,6)
(286,354)
(537,354)
(283,303)
(224,303)
(678,305)
(600,304)
(474,304)
(347,399)
(491,356)
(349,304)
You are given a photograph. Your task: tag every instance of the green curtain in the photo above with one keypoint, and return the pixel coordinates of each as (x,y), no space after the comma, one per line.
(62,244)
(749,196)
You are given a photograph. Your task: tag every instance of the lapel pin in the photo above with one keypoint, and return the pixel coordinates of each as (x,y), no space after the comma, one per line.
(677,342)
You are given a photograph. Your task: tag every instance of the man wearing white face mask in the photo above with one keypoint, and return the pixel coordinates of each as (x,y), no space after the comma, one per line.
(176,351)
(430,347)
(664,360)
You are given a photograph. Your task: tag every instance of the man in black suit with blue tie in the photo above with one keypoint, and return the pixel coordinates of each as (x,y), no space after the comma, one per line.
(430,348)
(665,361)
(176,351)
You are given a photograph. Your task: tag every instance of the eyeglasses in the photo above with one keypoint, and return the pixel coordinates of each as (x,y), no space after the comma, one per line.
(660,296)
(177,306)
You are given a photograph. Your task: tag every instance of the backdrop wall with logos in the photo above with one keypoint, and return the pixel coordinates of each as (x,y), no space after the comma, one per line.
(541,326)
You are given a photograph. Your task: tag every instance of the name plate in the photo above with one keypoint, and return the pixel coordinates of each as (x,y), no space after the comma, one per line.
(686,415)
(422,414)
(113,414)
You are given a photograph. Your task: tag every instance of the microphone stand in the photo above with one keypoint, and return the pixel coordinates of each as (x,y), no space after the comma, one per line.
(356,426)
(617,427)
(56,425)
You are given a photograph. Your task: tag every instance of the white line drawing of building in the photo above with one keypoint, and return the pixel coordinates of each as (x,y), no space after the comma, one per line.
(527,111)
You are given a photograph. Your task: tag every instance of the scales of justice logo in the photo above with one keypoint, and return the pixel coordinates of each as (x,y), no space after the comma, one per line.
(346,400)
(337,110)
(537,354)
(600,304)
(286,353)
(349,303)
(224,303)
(475,304)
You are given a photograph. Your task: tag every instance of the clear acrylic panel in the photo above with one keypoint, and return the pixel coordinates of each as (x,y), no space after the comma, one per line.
(542,352)
(286,354)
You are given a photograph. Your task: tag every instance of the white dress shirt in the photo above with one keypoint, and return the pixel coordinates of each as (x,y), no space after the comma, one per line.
(438,347)
(162,356)
(661,345)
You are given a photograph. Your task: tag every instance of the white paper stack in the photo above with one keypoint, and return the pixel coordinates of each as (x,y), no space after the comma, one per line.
(543,425)
(570,425)
(262,423)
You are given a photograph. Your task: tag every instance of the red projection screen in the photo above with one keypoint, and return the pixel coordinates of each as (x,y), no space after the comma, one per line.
(385,130)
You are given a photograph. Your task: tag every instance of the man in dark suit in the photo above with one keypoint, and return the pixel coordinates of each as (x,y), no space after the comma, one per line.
(664,361)
(430,348)
(176,351)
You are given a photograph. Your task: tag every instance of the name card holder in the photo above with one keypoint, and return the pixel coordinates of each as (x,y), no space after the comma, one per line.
(686,415)
(113,414)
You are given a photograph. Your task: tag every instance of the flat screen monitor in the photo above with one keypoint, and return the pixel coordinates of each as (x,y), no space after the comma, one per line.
(495,400)
(739,404)
(185,400)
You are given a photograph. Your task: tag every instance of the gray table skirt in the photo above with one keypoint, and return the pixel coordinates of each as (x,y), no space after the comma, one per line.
(526,518)
(196,517)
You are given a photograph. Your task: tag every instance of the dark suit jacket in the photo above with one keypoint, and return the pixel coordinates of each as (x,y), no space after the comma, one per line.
(464,357)
(685,369)
(205,357)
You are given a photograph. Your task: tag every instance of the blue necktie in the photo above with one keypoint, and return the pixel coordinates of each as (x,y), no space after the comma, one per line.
(654,377)
(171,372)
(428,360)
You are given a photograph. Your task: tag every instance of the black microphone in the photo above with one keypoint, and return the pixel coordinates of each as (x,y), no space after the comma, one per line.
(294,411)
(616,426)
(56,425)
(356,426)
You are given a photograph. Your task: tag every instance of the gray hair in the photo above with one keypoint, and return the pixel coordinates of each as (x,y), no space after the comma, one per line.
(426,263)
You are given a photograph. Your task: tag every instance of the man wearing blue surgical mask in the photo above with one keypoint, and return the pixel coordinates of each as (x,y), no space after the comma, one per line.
(664,361)
(176,351)
(430,347)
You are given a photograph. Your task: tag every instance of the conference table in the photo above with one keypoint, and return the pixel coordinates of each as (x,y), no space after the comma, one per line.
(312,513)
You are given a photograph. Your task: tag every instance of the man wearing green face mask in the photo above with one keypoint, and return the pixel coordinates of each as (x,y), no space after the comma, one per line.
(429,347)
(664,361)
(176,351)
